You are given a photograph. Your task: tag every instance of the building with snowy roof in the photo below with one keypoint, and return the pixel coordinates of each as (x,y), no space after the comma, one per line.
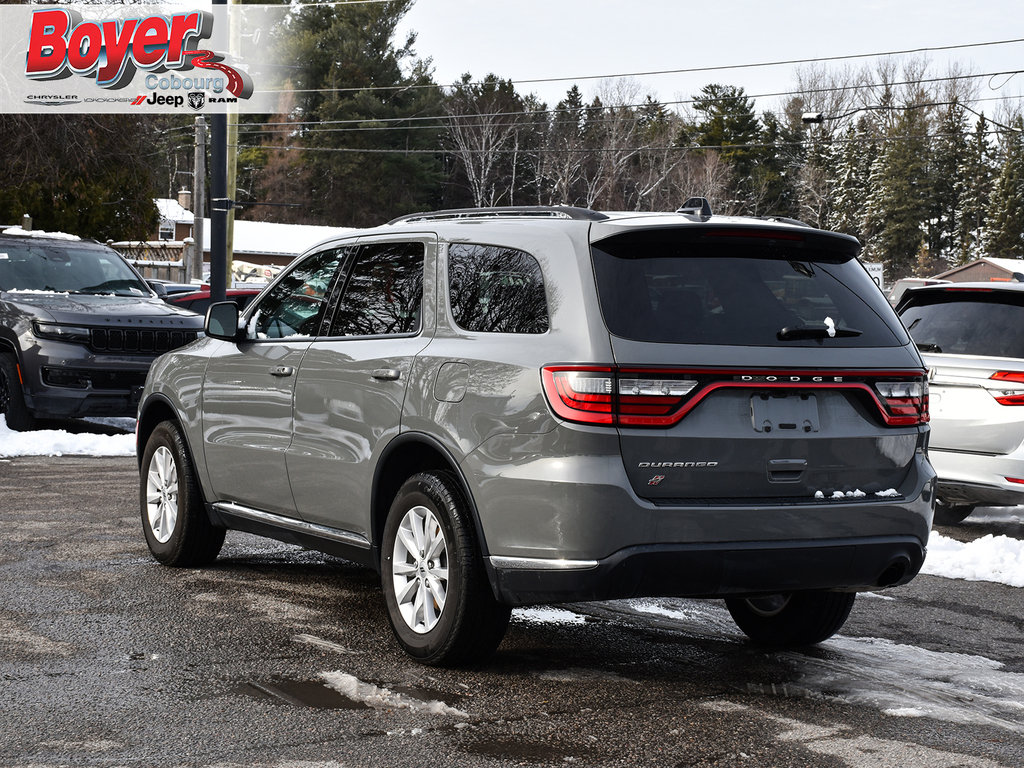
(258,242)
(986,270)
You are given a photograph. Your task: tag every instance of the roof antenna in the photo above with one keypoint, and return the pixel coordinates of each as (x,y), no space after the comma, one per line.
(696,206)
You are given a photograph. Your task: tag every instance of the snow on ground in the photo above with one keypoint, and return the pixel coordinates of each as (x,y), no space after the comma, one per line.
(547,615)
(58,442)
(990,558)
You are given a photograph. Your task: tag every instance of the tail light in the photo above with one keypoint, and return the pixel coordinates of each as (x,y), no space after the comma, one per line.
(640,397)
(906,401)
(611,396)
(1010,396)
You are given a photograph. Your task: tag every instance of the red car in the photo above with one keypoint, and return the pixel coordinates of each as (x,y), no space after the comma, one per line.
(198,301)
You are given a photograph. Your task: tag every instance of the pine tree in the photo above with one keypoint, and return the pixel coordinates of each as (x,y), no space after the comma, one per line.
(351,75)
(1004,226)
(726,123)
(950,153)
(974,185)
(898,200)
(848,184)
(772,186)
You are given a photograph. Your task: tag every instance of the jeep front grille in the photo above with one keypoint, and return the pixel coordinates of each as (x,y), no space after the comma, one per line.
(136,341)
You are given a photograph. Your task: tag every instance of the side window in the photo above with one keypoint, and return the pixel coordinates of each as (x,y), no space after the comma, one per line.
(295,306)
(496,290)
(383,293)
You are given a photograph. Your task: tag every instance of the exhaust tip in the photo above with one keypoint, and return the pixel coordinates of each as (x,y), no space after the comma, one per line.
(894,572)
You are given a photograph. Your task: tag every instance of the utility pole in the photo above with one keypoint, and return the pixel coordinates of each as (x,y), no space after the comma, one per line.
(219,203)
(199,197)
(218,207)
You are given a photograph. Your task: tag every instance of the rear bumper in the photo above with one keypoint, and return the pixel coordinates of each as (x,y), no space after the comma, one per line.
(971,478)
(713,570)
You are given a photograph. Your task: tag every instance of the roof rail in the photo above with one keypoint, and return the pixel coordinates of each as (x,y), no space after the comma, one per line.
(547,211)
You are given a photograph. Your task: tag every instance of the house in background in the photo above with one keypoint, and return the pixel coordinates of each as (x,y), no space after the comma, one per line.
(985,270)
(176,218)
(257,242)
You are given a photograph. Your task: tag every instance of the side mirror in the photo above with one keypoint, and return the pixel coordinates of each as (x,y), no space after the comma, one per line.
(158,288)
(222,321)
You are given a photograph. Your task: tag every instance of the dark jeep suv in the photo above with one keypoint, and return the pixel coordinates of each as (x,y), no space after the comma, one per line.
(79,329)
(506,407)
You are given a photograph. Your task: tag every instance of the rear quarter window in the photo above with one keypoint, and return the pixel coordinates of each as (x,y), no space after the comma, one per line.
(492,289)
(684,287)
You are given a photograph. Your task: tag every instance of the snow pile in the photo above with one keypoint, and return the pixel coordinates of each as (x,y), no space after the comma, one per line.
(856,494)
(57,442)
(990,558)
(40,233)
(908,681)
(547,615)
(382,698)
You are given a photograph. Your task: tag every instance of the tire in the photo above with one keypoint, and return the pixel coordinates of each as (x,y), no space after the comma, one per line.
(12,397)
(174,520)
(439,603)
(791,620)
(951,514)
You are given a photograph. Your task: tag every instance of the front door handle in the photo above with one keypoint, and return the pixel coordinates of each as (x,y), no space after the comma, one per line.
(282,370)
(386,374)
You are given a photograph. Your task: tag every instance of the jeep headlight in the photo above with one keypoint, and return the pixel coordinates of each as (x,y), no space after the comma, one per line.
(74,334)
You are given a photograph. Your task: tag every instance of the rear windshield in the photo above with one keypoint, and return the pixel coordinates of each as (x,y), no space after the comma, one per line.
(682,287)
(988,324)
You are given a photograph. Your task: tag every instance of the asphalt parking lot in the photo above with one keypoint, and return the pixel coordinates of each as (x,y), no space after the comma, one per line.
(282,657)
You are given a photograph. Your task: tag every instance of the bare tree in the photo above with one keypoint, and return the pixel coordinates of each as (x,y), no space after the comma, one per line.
(483,127)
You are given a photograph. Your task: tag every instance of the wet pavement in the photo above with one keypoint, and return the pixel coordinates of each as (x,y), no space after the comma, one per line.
(277,656)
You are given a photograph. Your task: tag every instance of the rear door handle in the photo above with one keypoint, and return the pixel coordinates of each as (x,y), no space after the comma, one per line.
(386,374)
(282,370)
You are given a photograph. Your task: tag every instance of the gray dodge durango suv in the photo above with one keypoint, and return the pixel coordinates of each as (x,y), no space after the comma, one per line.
(503,407)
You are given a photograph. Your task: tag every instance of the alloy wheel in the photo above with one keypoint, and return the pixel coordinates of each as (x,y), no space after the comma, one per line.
(162,494)
(419,569)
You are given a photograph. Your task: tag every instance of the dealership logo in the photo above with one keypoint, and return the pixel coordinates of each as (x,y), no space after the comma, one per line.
(196,100)
(61,44)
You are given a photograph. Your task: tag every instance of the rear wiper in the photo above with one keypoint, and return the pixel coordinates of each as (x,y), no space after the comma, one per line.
(926,347)
(815,331)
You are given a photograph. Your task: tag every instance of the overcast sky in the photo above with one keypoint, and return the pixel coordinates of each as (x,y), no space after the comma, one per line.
(528,39)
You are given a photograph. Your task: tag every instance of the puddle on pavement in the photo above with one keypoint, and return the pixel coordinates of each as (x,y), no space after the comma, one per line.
(300,693)
(520,749)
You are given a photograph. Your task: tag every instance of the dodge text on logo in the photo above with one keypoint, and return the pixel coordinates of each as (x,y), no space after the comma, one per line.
(788,379)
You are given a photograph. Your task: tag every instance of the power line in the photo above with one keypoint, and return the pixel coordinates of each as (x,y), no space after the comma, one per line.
(683,102)
(258,129)
(689,70)
(598,150)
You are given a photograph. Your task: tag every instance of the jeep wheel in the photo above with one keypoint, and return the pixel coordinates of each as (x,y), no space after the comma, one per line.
(174,520)
(439,603)
(793,619)
(12,397)
(951,514)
